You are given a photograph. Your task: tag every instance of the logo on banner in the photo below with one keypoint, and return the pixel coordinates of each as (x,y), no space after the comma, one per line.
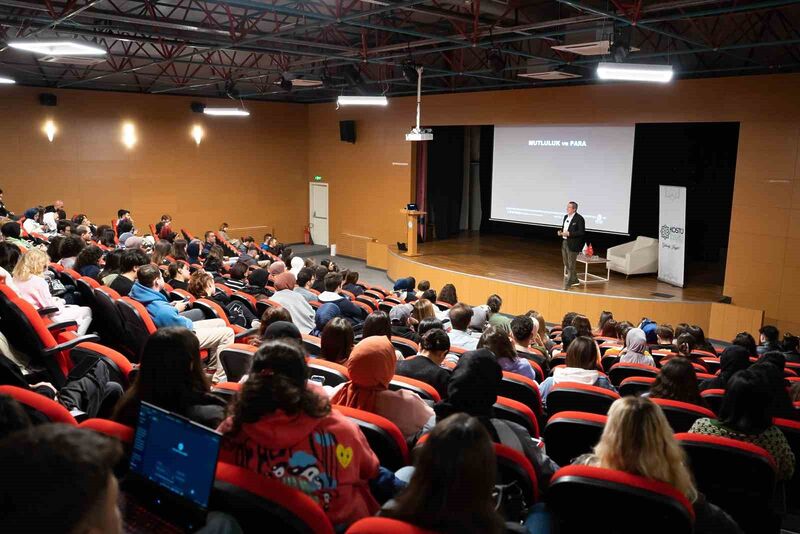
(672,233)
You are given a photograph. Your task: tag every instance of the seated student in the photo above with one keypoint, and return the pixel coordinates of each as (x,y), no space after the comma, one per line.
(677,380)
(460,317)
(404,288)
(283,427)
(301,311)
(130,263)
(480,317)
(305,277)
(193,250)
(426,366)
(421,309)
(50,221)
(609,329)
(700,341)
(423,286)
(402,323)
(523,331)
(201,286)
(295,264)
(771,367)
(635,350)
(746,415)
(448,294)
(351,285)
(237,281)
(32,287)
(494,303)
(70,469)
(111,267)
(11,234)
(582,325)
(179,275)
(791,348)
(453,482)
(257,284)
(9,256)
(178,251)
(85,233)
(171,376)
(473,389)
(337,340)
(664,338)
(319,279)
(161,250)
(71,246)
(124,215)
(89,261)
(769,339)
(350,311)
(732,360)
(33,220)
(268,318)
(166,220)
(377,323)
(209,240)
(684,348)
(502,347)
(581,367)
(213,334)
(637,439)
(371,367)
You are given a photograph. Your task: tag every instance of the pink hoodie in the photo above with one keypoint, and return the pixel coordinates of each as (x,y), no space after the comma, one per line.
(328,458)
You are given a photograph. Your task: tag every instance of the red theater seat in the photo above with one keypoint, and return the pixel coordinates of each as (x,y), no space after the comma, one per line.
(41,409)
(333,372)
(405,346)
(574,397)
(521,389)
(111,429)
(383,436)
(713,398)
(384,525)
(257,501)
(639,504)
(570,434)
(621,371)
(635,385)
(236,360)
(519,413)
(423,389)
(682,415)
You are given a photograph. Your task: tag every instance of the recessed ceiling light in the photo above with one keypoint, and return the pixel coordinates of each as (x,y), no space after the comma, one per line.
(59,48)
(226,112)
(5,79)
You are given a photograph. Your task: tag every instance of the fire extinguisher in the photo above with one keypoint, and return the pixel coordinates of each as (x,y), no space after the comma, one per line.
(307,235)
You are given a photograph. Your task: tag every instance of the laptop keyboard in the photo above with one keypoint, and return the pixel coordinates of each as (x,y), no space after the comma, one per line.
(137,519)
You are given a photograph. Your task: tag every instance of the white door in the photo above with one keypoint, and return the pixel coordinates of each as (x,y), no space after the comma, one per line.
(318,214)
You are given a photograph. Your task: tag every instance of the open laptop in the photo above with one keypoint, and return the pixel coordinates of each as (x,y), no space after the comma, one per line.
(172,468)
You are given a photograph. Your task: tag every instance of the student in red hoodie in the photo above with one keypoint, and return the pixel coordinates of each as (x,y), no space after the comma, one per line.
(282,427)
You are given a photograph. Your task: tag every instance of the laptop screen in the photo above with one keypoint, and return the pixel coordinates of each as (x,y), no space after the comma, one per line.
(175,453)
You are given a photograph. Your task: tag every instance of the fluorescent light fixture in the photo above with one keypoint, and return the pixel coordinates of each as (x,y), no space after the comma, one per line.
(50,130)
(227,112)
(5,79)
(59,48)
(197,133)
(129,135)
(362,101)
(634,72)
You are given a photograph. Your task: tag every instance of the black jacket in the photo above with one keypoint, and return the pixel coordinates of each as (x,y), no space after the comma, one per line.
(577,231)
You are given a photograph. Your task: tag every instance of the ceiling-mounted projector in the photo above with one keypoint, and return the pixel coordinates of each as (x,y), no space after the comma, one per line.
(420,134)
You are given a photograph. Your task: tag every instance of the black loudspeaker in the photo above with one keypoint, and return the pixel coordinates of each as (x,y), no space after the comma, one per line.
(347,131)
(48,99)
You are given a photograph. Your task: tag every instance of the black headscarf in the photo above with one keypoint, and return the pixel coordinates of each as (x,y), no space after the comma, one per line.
(473,387)
(771,366)
(567,336)
(281,330)
(732,360)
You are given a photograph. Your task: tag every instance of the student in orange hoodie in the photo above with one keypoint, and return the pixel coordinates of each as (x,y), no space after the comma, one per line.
(282,427)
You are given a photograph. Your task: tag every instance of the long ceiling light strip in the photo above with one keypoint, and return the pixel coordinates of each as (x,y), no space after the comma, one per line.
(6,80)
(362,101)
(635,72)
(226,112)
(59,48)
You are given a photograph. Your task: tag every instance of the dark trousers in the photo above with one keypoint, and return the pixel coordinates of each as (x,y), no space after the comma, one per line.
(569,257)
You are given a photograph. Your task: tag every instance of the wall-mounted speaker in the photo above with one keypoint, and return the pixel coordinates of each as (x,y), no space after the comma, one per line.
(347,131)
(48,99)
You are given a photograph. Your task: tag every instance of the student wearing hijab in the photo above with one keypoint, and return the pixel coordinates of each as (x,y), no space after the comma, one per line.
(732,360)
(297,263)
(473,389)
(276,268)
(371,367)
(636,348)
(301,311)
(193,252)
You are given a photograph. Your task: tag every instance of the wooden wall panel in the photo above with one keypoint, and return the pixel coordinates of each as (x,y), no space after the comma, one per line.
(247,172)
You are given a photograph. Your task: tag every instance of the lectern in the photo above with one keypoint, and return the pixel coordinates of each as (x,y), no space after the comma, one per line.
(412,219)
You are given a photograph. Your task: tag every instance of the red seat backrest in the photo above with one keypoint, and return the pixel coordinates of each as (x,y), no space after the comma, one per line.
(387,428)
(54,412)
(414,385)
(141,312)
(384,525)
(110,428)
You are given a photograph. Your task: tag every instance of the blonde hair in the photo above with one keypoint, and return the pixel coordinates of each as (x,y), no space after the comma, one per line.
(32,263)
(423,309)
(637,439)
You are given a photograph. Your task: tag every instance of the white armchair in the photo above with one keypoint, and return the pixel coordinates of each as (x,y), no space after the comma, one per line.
(636,257)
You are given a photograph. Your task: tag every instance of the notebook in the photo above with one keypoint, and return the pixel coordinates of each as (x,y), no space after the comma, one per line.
(172,468)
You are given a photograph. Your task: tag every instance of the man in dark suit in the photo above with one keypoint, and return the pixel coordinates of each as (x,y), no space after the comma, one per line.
(572,231)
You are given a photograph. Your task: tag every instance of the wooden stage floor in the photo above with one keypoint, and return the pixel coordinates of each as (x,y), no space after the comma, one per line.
(538,263)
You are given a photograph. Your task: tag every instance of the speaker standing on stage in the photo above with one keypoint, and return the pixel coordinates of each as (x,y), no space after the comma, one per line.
(572,231)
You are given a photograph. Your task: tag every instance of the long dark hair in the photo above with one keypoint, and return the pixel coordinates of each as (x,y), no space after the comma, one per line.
(377,323)
(499,343)
(747,405)
(170,374)
(277,381)
(90,255)
(582,353)
(179,250)
(451,488)
(677,380)
(336,340)
(448,294)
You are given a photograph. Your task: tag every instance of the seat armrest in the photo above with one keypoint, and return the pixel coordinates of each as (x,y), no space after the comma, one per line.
(246,333)
(61,326)
(71,343)
(47,311)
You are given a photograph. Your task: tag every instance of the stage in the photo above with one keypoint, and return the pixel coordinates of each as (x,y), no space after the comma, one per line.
(527,274)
